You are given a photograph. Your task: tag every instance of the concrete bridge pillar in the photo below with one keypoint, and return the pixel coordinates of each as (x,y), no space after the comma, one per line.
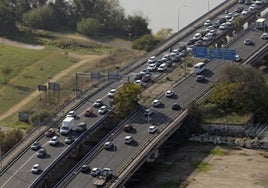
(153,156)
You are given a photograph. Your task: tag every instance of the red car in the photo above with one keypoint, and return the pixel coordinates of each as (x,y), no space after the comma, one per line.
(88,112)
(128,128)
(50,132)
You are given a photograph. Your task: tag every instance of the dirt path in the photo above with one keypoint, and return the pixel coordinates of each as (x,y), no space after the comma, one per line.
(20,45)
(35,94)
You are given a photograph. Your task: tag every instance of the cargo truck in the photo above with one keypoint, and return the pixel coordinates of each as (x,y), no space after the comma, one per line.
(260,23)
(67,125)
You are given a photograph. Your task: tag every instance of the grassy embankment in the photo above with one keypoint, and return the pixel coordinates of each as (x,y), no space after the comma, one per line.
(31,68)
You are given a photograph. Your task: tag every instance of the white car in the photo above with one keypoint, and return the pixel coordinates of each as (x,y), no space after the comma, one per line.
(162,67)
(54,140)
(264,36)
(169,93)
(111,93)
(95,172)
(103,109)
(128,139)
(245,12)
(148,112)
(207,23)
(98,103)
(152,129)
(140,82)
(71,114)
(156,103)
(223,26)
(35,169)
(108,145)
(152,59)
(238,58)
(197,36)
(152,67)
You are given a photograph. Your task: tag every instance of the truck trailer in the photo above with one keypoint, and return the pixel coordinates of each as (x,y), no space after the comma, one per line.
(260,23)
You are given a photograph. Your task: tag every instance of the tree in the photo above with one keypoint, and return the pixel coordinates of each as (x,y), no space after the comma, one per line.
(6,71)
(40,18)
(238,23)
(164,33)
(146,42)
(88,26)
(126,99)
(7,17)
(138,26)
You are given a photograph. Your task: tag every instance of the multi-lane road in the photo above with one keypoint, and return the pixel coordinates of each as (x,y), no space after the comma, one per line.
(19,174)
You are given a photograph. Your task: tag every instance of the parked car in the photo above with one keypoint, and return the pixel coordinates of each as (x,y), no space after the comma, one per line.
(50,132)
(175,106)
(95,172)
(146,78)
(69,140)
(41,153)
(36,169)
(111,93)
(85,168)
(103,109)
(152,60)
(35,146)
(81,127)
(162,67)
(152,67)
(98,103)
(54,141)
(264,36)
(88,112)
(128,128)
(152,129)
(108,145)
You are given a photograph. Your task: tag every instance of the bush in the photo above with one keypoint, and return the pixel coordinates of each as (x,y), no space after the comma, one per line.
(146,42)
(88,26)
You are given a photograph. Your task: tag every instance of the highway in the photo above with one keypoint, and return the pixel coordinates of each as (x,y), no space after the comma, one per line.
(186,92)
(19,174)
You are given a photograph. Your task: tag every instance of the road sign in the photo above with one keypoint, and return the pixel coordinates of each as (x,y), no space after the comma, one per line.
(215,53)
(201,52)
(228,54)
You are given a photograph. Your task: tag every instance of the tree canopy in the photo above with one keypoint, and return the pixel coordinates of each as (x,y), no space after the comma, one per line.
(48,14)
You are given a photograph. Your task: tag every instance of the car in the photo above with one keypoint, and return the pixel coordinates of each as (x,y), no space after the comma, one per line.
(264,36)
(238,58)
(128,139)
(103,109)
(36,169)
(199,43)
(54,141)
(156,103)
(50,132)
(85,168)
(216,24)
(239,9)
(241,1)
(169,93)
(145,71)
(248,42)
(146,78)
(140,82)
(88,112)
(197,36)
(35,146)
(128,128)
(208,37)
(138,76)
(162,67)
(108,145)
(72,114)
(252,8)
(152,60)
(207,23)
(175,106)
(111,93)
(223,26)
(148,112)
(190,42)
(41,153)
(81,127)
(69,140)
(95,172)
(152,67)
(245,12)
(98,103)
(152,129)
(248,2)
(200,78)
(229,16)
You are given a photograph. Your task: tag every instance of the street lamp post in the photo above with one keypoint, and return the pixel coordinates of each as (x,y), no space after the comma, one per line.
(179,16)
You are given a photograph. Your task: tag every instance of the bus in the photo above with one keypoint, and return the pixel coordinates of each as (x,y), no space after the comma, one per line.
(199,67)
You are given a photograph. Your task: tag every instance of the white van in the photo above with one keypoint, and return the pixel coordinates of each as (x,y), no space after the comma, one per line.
(128,139)
(199,67)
